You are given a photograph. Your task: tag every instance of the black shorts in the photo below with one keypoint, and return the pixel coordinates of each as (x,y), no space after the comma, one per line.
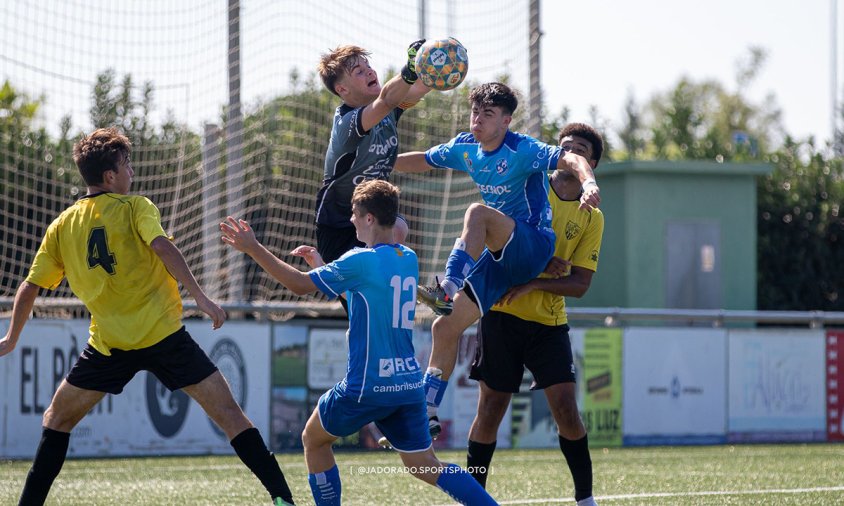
(177,361)
(507,344)
(332,242)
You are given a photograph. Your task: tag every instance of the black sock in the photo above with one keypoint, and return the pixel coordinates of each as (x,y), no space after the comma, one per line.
(253,452)
(478,457)
(48,461)
(580,465)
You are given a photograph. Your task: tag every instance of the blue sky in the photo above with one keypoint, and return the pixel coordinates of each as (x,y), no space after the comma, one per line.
(646,45)
(593,53)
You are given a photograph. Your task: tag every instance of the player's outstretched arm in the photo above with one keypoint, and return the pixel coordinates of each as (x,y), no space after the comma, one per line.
(178,268)
(239,235)
(24,300)
(413,161)
(394,92)
(309,254)
(574,285)
(580,167)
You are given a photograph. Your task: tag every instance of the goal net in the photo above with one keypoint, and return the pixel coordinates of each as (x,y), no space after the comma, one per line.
(159,70)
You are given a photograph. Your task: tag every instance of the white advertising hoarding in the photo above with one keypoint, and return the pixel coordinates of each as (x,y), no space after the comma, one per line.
(328,357)
(674,386)
(146,418)
(777,390)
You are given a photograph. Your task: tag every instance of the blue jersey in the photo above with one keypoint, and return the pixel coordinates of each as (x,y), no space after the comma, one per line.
(511,179)
(381,288)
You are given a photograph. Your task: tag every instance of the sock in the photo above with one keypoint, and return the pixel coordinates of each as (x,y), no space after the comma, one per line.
(253,452)
(478,457)
(580,465)
(457,267)
(460,485)
(49,459)
(326,487)
(434,387)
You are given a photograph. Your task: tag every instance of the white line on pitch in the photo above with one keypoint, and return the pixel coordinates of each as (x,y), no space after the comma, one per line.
(677,494)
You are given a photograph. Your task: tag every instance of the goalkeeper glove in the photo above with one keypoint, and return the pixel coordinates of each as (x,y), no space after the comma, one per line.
(408,72)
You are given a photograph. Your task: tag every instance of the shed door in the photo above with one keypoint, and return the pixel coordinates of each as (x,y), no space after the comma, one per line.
(693,265)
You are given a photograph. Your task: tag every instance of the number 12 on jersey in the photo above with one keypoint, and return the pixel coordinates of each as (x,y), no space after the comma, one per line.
(404,301)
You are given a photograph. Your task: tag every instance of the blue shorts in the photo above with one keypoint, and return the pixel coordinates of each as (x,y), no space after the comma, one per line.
(405,425)
(523,258)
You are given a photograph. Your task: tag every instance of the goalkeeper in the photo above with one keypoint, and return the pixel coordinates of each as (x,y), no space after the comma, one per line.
(364,139)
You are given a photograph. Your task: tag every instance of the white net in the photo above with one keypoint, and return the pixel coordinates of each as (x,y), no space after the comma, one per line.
(159,70)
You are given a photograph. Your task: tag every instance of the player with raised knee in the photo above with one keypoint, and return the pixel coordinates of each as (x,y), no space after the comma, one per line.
(383,382)
(529,328)
(507,240)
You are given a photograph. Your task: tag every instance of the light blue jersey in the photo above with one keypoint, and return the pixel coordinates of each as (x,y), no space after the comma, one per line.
(511,179)
(381,288)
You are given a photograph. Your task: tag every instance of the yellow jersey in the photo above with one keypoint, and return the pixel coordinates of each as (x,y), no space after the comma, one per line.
(579,234)
(101,244)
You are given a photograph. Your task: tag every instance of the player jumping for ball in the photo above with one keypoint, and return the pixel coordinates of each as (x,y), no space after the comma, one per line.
(507,240)
(364,138)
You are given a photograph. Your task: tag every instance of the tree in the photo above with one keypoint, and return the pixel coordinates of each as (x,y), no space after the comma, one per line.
(801,230)
(630,133)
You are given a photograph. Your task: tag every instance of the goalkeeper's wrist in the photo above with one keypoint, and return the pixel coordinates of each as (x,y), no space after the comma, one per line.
(588,182)
(409,75)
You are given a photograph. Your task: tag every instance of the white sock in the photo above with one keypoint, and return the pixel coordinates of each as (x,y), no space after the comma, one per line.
(450,288)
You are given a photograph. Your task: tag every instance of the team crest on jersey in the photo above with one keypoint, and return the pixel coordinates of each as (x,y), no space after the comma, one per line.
(468,162)
(572,230)
(501,166)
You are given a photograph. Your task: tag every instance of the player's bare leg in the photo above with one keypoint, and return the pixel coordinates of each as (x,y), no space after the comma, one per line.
(323,475)
(449,477)
(215,397)
(70,404)
(317,443)
(483,227)
(572,438)
(445,336)
(562,399)
(483,435)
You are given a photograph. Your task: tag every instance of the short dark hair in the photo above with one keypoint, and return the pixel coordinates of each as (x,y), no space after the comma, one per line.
(587,132)
(100,151)
(495,95)
(340,60)
(379,198)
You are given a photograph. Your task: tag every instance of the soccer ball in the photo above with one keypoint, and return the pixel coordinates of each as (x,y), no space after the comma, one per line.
(442,64)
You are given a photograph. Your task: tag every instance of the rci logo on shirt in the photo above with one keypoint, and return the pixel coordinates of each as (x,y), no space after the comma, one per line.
(388,367)
(501,166)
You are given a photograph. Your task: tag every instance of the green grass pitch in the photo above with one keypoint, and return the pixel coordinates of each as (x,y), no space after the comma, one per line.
(716,475)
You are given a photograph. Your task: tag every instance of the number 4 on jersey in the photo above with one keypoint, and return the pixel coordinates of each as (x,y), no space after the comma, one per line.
(98,252)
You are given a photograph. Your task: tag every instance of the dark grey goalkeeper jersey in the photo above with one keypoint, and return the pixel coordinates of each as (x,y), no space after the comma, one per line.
(354,156)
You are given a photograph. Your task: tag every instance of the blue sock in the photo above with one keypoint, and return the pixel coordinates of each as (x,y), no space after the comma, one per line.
(458,266)
(326,487)
(460,485)
(434,389)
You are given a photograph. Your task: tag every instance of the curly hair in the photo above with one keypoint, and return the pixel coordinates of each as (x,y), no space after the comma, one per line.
(587,132)
(100,151)
(495,95)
